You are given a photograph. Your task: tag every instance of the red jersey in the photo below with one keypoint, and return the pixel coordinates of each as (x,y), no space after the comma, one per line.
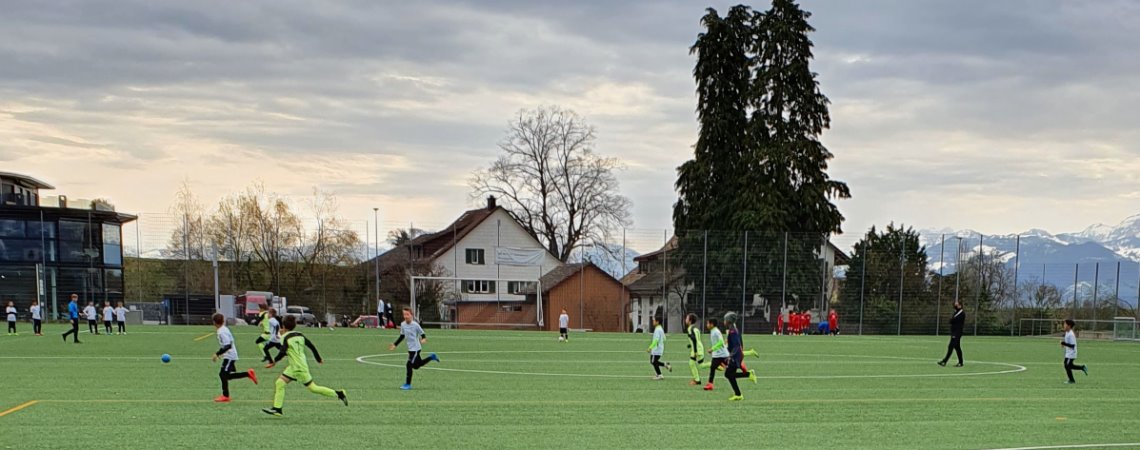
(833,320)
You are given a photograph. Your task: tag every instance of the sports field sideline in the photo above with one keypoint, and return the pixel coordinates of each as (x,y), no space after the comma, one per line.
(526,390)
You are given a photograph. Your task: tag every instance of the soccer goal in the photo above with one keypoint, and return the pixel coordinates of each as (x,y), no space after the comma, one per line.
(1124,329)
(1088,329)
(455,302)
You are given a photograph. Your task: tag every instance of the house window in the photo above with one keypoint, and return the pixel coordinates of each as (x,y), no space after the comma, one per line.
(475,256)
(520,287)
(478,286)
(510,307)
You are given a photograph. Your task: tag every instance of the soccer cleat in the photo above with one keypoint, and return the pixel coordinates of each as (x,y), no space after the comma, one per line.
(276,412)
(751,352)
(752,376)
(270,365)
(669,367)
(252,376)
(709,387)
(222,399)
(1085,369)
(736,398)
(406,387)
(958,365)
(694,382)
(342,396)
(1070,382)
(658,377)
(942,363)
(433,357)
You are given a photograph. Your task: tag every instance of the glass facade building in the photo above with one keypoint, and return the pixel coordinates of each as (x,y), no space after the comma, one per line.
(50,251)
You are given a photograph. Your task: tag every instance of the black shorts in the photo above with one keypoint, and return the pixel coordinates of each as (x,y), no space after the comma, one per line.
(562,331)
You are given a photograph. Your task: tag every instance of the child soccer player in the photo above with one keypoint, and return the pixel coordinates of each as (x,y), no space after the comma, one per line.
(89,312)
(696,348)
(736,357)
(293,344)
(274,334)
(262,320)
(1069,343)
(657,349)
(563,325)
(10,310)
(37,318)
(415,337)
(121,318)
(108,317)
(73,315)
(229,355)
(779,324)
(718,349)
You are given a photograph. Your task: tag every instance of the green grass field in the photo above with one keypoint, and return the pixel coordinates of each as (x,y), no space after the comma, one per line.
(526,390)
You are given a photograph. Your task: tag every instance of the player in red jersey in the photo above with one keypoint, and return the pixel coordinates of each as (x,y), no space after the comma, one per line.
(779,324)
(833,322)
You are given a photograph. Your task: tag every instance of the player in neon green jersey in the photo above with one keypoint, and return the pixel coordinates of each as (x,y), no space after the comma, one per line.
(293,345)
(696,348)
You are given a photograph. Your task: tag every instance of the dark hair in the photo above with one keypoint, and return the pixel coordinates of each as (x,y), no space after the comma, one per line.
(218,318)
(289,323)
(1070,323)
(712,322)
(272,311)
(692,318)
(409,309)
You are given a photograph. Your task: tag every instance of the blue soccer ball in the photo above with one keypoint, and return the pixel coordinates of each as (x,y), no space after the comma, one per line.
(165,358)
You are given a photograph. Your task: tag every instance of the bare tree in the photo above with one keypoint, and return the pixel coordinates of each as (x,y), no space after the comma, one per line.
(558,187)
(189,240)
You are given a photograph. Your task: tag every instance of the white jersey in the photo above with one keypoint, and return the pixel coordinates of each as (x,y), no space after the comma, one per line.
(108,314)
(1071,339)
(715,337)
(36,312)
(226,338)
(658,345)
(11,311)
(90,313)
(564,321)
(121,314)
(274,330)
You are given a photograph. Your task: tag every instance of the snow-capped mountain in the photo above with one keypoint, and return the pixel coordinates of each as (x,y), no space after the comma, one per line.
(1093,255)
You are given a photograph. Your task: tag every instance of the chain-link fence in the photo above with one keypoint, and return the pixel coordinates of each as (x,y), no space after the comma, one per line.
(487,274)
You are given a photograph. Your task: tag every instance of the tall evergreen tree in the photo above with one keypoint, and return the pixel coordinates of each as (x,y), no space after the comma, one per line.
(758,177)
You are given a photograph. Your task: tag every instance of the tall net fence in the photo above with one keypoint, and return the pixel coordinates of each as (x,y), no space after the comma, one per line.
(172,266)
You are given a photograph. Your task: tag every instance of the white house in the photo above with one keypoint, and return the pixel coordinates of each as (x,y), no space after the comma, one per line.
(481,246)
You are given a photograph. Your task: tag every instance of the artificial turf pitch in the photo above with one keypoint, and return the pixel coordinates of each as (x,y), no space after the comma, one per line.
(526,390)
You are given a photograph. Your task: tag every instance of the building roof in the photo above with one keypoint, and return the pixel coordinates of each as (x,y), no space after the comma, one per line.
(436,244)
(565,272)
(26,179)
(653,282)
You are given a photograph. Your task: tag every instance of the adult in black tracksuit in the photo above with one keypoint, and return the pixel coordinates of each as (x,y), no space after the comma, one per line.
(957,322)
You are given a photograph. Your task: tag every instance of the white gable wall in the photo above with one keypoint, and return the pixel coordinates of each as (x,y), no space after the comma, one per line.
(498,230)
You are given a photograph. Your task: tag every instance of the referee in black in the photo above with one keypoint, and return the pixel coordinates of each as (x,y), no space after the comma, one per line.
(956,324)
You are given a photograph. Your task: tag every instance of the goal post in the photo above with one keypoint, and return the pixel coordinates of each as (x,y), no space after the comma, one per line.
(505,293)
(1119,328)
(1124,329)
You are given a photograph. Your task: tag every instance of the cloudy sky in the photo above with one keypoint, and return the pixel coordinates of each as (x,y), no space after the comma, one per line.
(997,116)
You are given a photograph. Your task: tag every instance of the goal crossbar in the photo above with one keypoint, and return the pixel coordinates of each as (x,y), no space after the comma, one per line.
(537,290)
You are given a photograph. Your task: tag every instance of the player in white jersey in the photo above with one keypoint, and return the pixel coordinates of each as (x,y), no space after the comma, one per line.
(108,317)
(563,326)
(228,351)
(37,318)
(92,318)
(1069,343)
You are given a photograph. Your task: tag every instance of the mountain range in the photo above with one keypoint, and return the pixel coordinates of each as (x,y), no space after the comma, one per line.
(1091,257)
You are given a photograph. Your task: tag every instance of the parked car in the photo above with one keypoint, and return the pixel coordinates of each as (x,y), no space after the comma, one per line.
(303,314)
